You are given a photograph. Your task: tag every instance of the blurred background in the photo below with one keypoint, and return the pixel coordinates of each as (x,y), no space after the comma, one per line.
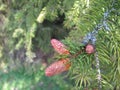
(26,28)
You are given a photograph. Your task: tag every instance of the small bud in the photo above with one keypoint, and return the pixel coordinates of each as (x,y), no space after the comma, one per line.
(89,49)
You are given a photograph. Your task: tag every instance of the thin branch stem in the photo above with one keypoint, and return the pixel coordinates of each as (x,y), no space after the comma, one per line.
(98,71)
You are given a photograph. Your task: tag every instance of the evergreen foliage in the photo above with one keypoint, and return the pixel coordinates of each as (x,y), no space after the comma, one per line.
(26,26)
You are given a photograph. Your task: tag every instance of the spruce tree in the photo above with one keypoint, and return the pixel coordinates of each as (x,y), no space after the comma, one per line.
(32,24)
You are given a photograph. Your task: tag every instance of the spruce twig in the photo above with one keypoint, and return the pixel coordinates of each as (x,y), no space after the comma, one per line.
(98,71)
(91,36)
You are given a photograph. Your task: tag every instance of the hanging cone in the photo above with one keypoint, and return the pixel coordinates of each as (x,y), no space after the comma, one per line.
(58,67)
(59,47)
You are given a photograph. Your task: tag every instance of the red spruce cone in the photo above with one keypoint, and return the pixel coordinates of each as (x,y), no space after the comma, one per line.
(89,49)
(59,47)
(57,67)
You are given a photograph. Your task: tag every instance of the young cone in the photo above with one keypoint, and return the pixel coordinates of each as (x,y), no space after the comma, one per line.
(89,49)
(58,67)
(59,47)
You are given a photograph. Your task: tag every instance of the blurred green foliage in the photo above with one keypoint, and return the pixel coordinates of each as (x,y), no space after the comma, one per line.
(21,80)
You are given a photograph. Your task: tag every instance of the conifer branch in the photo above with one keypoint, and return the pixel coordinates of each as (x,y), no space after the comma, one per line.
(98,71)
(91,36)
